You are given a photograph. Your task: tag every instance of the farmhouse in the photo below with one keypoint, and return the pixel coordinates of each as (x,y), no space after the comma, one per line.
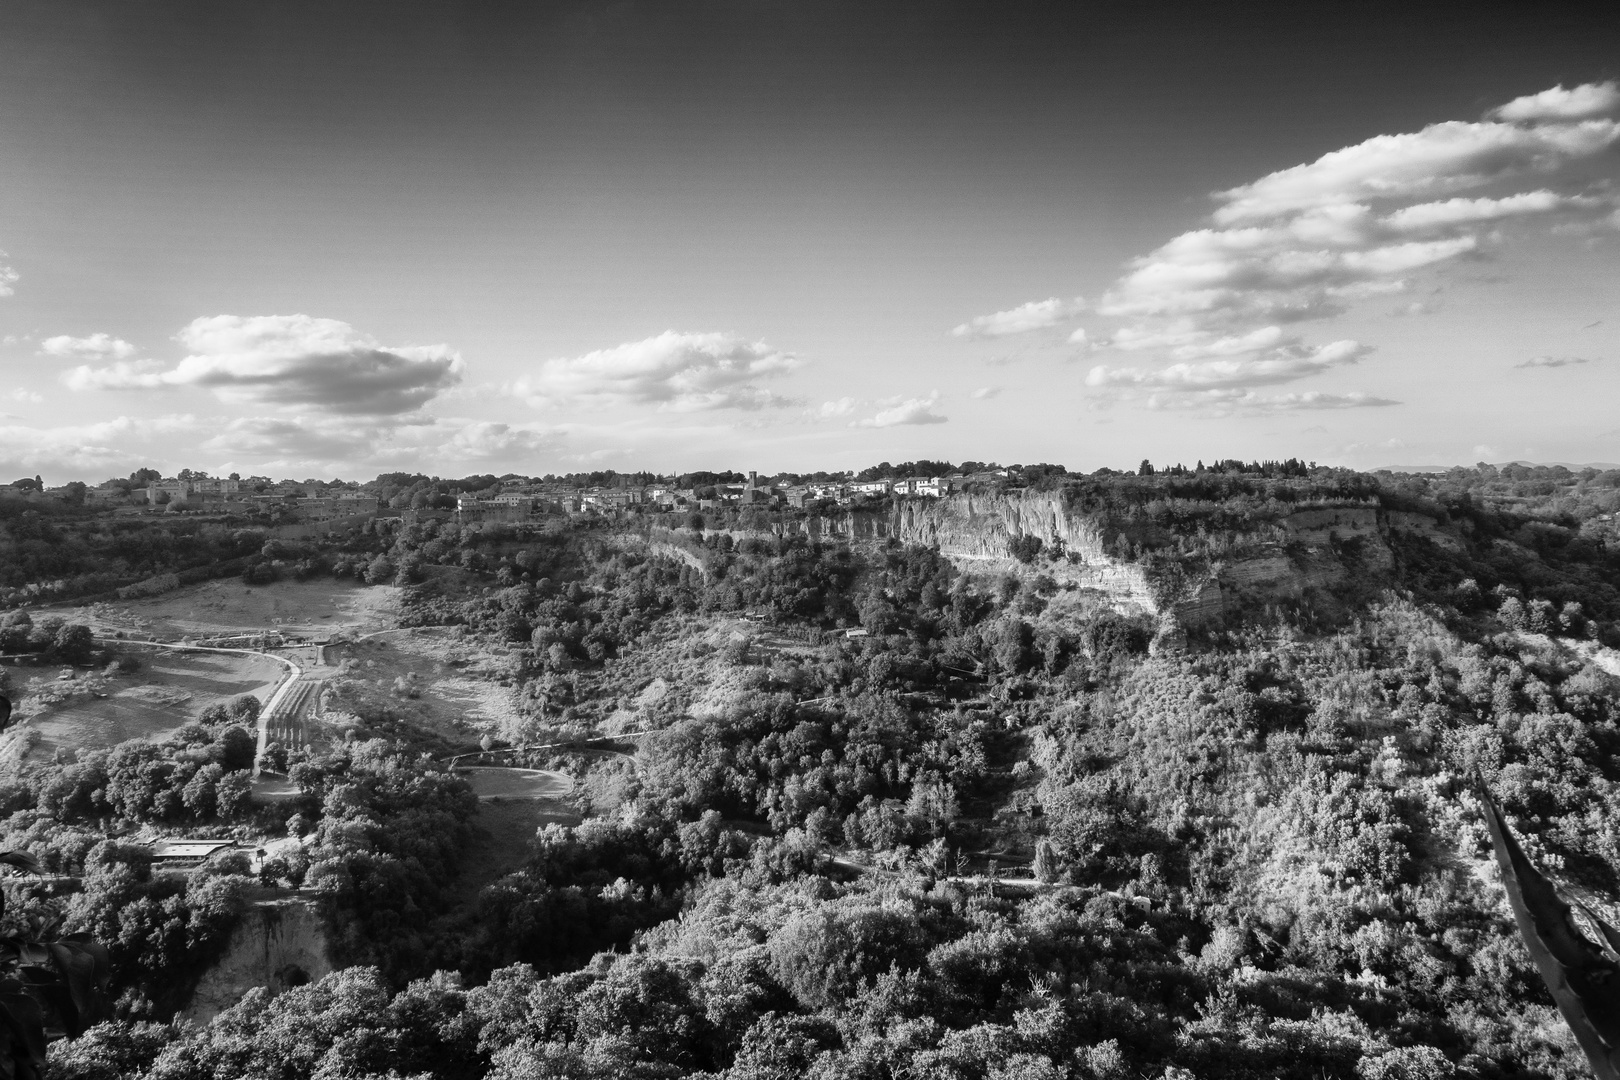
(181,853)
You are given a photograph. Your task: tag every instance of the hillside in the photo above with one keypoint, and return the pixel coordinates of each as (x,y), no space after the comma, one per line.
(1102,777)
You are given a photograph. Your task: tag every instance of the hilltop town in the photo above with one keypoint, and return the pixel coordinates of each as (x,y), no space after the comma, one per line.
(488,498)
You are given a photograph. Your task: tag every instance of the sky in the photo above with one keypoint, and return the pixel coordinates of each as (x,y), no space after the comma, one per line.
(318,240)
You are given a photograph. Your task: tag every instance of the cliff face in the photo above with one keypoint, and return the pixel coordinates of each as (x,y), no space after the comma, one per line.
(280,944)
(1314,547)
(1311,548)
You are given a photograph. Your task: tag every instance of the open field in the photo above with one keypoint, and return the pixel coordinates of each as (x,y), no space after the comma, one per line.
(500,783)
(318,607)
(502,834)
(428,678)
(170,689)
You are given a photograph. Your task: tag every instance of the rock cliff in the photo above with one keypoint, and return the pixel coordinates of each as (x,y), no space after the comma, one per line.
(1315,546)
(279,944)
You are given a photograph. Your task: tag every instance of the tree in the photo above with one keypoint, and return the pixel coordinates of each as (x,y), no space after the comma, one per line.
(46,982)
(245,709)
(74,643)
(233,794)
(878,615)
(1045,860)
(237,746)
(410,571)
(14,628)
(380,572)
(1024,548)
(933,804)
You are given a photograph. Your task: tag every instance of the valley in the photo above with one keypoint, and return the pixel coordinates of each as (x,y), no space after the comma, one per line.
(1187,757)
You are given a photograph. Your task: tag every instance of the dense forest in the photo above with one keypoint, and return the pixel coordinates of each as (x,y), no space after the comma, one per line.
(949,819)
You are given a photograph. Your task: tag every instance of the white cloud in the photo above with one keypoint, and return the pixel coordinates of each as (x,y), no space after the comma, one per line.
(1212,277)
(1470,211)
(832,409)
(90,451)
(1576,103)
(27,397)
(1035,315)
(95,347)
(984,393)
(8,278)
(1442,158)
(1266,337)
(1228,402)
(290,360)
(908,411)
(1305,243)
(674,371)
(328,442)
(1554,361)
(1285,364)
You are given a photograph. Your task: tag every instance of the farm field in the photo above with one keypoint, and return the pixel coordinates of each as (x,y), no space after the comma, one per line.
(170,689)
(318,607)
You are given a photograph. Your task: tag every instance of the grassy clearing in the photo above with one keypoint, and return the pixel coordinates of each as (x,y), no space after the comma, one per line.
(319,606)
(170,689)
(429,680)
(501,783)
(503,832)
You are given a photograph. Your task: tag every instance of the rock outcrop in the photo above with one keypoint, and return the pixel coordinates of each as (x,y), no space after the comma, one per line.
(1313,547)
(279,944)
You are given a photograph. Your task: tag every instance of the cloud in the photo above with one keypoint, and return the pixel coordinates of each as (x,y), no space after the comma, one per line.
(1035,315)
(321,442)
(674,371)
(1266,337)
(1317,399)
(1432,215)
(8,278)
(1416,308)
(1287,363)
(1225,402)
(80,450)
(907,411)
(1576,103)
(1554,361)
(984,393)
(27,397)
(1218,278)
(1306,243)
(1442,158)
(832,409)
(95,347)
(292,360)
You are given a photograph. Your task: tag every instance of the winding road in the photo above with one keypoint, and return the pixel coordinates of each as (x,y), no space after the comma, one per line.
(271,709)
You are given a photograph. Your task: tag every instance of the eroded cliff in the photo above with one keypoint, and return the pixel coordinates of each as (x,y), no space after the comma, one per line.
(1169,567)
(279,944)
